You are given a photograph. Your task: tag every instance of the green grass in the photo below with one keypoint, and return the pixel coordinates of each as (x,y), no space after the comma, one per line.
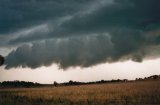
(135,93)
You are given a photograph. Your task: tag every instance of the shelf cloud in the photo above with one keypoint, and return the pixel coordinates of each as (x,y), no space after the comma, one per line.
(79,33)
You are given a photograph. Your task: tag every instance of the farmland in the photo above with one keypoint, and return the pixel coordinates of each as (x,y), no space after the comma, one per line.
(130,93)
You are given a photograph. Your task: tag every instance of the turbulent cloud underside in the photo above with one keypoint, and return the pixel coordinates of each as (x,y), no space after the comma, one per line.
(79,33)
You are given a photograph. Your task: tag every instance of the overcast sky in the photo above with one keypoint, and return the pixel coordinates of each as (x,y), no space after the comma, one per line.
(72,39)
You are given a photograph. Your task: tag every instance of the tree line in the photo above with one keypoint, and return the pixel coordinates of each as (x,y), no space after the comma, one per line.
(70,83)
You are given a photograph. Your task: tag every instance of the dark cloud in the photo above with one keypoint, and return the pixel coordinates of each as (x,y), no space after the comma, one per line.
(74,51)
(138,15)
(130,14)
(1,60)
(15,15)
(82,33)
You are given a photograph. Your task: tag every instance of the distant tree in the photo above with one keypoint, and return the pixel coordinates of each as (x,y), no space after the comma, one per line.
(71,82)
(102,81)
(55,84)
(155,76)
(139,79)
(125,80)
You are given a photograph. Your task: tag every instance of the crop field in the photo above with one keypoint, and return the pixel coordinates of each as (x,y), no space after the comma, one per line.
(130,93)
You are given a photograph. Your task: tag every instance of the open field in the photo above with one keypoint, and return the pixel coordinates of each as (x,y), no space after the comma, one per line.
(131,93)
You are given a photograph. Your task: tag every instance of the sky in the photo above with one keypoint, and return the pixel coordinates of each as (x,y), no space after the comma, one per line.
(83,40)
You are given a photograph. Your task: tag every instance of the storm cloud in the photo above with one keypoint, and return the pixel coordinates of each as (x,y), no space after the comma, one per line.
(75,51)
(79,33)
(1,60)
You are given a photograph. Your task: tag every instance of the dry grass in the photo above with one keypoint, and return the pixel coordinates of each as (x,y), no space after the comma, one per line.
(140,93)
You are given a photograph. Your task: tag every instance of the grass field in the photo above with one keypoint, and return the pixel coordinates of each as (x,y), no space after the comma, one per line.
(132,93)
